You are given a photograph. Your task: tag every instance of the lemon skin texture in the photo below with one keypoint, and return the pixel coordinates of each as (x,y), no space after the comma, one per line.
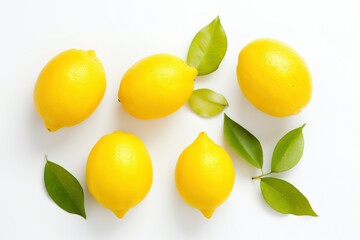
(204,175)
(69,88)
(156,86)
(274,77)
(119,172)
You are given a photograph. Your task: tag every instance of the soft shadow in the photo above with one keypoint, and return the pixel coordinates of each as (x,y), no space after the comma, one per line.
(145,129)
(188,219)
(100,221)
(37,136)
(258,123)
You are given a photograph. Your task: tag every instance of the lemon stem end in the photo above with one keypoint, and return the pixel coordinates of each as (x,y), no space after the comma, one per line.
(208,213)
(120,213)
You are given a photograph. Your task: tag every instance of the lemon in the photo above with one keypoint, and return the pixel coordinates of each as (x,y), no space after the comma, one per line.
(156,86)
(273,77)
(204,175)
(119,172)
(69,88)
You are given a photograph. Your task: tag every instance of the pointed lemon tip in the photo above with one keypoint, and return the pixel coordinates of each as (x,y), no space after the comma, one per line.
(203,135)
(91,52)
(51,129)
(120,213)
(194,71)
(208,213)
(202,139)
(49,125)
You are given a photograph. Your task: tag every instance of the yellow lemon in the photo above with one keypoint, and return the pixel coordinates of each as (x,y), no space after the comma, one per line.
(204,175)
(273,77)
(69,88)
(156,86)
(119,172)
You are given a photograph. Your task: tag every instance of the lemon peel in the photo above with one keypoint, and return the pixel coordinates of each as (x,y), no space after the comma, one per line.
(69,88)
(204,175)
(156,86)
(119,172)
(274,77)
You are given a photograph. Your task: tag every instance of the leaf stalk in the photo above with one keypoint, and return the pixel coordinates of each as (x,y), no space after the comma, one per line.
(262,175)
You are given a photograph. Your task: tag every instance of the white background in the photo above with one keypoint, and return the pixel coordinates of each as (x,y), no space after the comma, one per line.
(325,33)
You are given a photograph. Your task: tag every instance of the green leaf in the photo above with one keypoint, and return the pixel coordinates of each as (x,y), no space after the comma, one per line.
(64,189)
(207,103)
(208,48)
(244,143)
(288,151)
(284,197)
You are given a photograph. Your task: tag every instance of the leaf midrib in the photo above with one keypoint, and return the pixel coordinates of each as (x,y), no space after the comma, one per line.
(67,192)
(209,44)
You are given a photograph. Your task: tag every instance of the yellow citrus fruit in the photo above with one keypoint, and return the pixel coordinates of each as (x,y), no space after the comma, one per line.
(204,175)
(273,77)
(119,172)
(156,86)
(69,88)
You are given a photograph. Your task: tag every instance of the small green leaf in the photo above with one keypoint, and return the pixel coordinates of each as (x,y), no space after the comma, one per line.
(284,197)
(207,103)
(64,189)
(208,48)
(244,143)
(288,151)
